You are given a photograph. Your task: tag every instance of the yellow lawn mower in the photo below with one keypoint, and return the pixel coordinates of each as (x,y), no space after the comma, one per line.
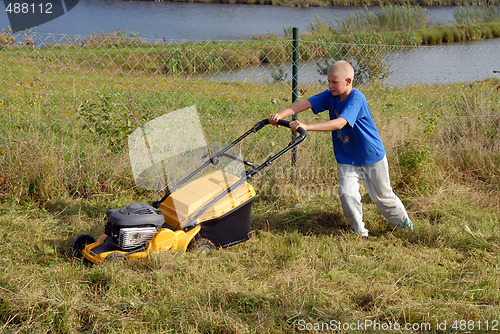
(206,213)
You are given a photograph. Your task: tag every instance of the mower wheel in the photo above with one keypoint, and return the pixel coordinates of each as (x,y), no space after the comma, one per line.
(201,245)
(116,258)
(79,242)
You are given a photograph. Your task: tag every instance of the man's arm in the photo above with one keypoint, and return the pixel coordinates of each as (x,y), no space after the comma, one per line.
(299,106)
(334,124)
(291,110)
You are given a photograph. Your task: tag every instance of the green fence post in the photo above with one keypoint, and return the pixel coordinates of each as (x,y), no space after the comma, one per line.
(295,72)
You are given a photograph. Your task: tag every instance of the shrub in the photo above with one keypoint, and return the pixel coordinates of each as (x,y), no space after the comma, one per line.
(413,156)
(273,54)
(6,39)
(387,18)
(108,119)
(448,36)
(458,35)
(477,14)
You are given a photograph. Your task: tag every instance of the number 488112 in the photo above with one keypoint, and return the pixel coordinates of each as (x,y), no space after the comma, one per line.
(471,325)
(29,8)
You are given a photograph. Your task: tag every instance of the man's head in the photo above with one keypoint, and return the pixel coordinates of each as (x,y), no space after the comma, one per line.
(340,77)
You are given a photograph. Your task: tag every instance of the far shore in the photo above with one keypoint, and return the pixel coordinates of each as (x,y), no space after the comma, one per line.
(345,3)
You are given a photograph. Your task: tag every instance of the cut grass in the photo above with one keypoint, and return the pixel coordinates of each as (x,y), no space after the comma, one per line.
(299,266)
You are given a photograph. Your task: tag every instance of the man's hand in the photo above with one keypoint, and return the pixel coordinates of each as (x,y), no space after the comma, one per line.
(273,119)
(295,125)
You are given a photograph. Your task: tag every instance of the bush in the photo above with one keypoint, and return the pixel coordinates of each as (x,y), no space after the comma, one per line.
(6,39)
(106,117)
(414,164)
(448,36)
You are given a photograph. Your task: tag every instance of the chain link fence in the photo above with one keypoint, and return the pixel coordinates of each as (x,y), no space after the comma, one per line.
(69,103)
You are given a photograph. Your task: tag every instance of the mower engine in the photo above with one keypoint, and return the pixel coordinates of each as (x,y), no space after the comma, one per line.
(133,226)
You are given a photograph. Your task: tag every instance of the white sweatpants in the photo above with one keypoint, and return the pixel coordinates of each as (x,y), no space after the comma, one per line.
(376,178)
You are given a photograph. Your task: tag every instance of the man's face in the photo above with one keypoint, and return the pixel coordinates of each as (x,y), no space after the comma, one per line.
(336,84)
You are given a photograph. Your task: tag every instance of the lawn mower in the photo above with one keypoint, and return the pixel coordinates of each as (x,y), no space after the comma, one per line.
(212,211)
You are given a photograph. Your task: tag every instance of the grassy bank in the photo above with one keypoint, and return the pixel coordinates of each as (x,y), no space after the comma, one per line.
(424,36)
(409,25)
(59,175)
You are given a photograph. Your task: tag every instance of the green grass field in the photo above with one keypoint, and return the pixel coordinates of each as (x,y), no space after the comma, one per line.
(62,165)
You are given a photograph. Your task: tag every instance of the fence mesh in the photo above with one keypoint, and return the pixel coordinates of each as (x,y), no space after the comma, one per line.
(69,103)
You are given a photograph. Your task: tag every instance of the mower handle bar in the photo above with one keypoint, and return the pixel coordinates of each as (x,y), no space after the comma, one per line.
(215,159)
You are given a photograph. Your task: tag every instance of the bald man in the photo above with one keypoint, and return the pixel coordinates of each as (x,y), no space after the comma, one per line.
(358,148)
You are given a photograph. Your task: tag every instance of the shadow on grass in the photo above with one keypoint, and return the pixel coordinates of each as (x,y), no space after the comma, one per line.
(69,214)
(319,222)
(307,223)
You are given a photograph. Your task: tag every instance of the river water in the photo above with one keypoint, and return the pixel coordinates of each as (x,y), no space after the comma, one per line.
(460,62)
(193,21)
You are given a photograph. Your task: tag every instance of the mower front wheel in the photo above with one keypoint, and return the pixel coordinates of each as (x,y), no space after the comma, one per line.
(201,245)
(79,242)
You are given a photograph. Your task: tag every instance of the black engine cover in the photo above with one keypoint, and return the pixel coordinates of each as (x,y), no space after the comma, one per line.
(133,215)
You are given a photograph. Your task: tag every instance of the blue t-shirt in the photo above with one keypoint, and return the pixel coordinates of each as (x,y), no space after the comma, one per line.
(358,142)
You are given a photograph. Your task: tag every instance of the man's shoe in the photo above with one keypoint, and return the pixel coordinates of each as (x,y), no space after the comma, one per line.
(357,235)
(406,225)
